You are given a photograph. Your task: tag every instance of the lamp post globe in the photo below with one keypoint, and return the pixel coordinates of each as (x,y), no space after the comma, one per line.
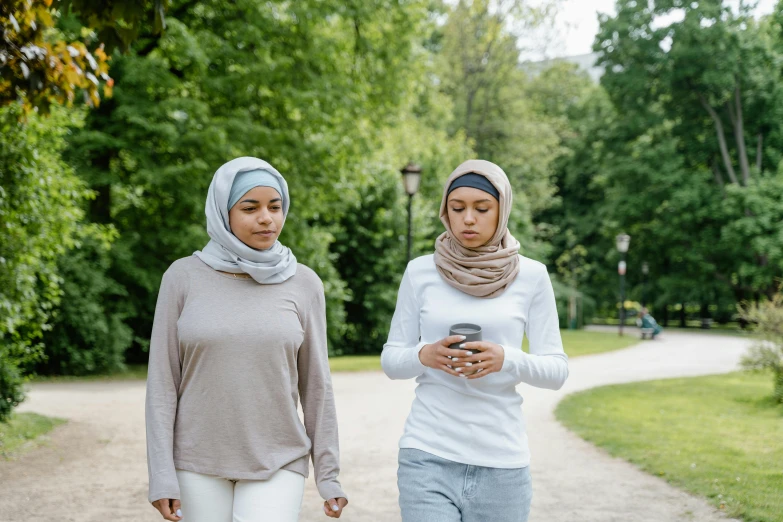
(622,241)
(411,177)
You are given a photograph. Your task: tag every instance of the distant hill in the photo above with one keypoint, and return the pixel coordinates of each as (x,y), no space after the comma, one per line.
(585,62)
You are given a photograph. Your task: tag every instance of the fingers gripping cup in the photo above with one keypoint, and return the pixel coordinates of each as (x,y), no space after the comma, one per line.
(472,332)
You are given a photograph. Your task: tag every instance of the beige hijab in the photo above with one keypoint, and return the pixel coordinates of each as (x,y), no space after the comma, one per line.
(485,271)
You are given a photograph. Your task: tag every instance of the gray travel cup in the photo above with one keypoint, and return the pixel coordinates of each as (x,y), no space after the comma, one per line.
(472,332)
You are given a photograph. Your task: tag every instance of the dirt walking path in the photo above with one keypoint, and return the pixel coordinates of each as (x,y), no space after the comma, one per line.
(93,468)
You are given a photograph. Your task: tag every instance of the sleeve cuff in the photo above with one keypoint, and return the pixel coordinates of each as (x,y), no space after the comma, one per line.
(416,363)
(512,358)
(331,489)
(164,485)
(165,494)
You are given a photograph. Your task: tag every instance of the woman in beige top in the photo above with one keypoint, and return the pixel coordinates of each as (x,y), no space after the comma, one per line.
(239,338)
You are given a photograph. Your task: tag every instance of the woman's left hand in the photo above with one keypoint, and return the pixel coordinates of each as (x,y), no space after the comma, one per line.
(332,503)
(487,358)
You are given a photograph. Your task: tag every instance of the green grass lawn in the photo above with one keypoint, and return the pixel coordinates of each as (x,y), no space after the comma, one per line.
(582,342)
(131,372)
(22,432)
(576,343)
(720,437)
(734,332)
(355,363)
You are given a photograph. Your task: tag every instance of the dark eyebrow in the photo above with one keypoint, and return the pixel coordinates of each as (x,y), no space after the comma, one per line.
(256,202)
(460,201)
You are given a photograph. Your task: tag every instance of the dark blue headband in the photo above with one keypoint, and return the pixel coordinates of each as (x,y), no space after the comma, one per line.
(476,181)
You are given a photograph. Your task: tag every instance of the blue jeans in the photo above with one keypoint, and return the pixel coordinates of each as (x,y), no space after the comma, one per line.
(433,489)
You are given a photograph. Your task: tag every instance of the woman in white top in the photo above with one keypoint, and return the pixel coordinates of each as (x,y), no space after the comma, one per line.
(464,453)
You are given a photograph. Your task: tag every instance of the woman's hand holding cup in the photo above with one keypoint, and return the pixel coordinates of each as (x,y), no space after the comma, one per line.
(438,355)
(487,358)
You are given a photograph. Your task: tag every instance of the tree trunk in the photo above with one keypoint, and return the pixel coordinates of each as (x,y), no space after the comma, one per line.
(682,315)
(469,113)
(718,176)
(572,311)
(704,315)
(760,141)
(100,207)
(666,315)
(724,150)
(735,113)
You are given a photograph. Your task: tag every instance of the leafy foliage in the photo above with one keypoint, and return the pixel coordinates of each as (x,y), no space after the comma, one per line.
(87,333)
(40,67)
(674,148)
(719,117)
(40,212)
(767,353)
(677,149)
(312,87)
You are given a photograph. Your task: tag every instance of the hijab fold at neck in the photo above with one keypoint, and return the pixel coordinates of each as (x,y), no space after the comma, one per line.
(225,252)
(484,271)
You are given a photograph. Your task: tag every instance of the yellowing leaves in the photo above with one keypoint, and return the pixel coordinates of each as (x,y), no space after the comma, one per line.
(43,16)
(40,72)
(71,75)
(100,54)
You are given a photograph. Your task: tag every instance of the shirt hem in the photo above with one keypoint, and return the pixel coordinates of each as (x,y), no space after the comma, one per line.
(300,466)
(462,459)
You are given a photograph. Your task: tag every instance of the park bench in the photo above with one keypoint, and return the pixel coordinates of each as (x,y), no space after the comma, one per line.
(646,332)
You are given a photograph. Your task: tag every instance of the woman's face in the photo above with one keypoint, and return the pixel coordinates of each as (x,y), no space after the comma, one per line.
(257,218)
(473,216)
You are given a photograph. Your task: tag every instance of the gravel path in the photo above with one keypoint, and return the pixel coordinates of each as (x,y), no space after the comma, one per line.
(94,469)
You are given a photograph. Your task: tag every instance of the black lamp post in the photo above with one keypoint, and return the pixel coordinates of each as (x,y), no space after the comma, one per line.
(623,241)
(645,271)
(411,175)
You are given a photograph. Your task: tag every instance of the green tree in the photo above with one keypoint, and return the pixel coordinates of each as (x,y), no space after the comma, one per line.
(41,66)
(312,87)
(87,333)
(721,115)
(583,117)
(40,212)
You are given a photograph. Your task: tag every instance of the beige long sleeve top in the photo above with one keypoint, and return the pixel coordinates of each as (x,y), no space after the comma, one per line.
(229,361)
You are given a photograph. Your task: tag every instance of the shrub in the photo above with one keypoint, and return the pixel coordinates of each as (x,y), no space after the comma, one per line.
(767,353)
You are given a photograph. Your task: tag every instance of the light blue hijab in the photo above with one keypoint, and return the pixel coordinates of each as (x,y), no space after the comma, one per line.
(225,252)
(245,181)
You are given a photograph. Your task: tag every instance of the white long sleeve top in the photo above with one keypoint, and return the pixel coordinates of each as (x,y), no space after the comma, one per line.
(474,421)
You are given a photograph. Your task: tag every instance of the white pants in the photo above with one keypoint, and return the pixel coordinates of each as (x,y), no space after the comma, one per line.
(207,498)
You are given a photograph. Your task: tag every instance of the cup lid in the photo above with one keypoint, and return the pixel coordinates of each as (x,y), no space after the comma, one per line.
(465,326)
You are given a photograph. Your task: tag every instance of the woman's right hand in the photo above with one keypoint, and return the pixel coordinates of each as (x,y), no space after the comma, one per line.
(436,355)
(169,508)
